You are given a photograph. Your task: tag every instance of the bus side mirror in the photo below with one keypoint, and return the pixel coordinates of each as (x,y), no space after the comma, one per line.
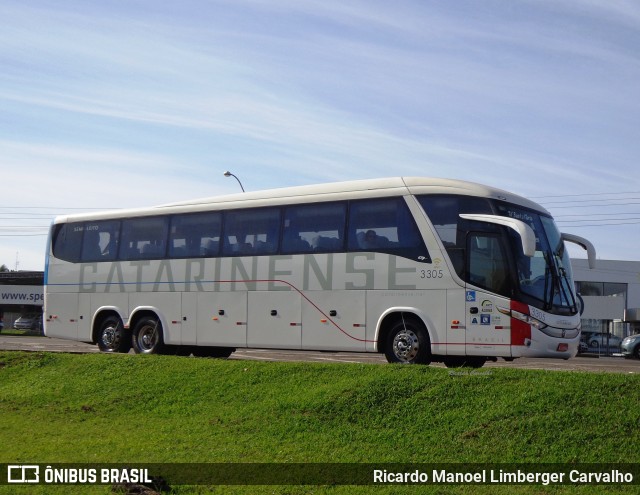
(584,244)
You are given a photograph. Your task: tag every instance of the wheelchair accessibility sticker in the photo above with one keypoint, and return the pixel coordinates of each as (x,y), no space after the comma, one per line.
(471,296)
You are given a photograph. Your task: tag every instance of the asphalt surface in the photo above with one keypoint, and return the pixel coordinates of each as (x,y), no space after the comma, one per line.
(579,363)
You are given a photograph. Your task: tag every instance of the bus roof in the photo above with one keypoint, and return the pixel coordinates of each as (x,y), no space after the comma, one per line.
(356,189)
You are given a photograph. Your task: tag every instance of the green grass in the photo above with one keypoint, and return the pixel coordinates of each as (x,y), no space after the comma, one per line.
(58,408)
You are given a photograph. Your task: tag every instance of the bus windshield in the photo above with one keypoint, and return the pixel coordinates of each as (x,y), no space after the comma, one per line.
(543,280)
(546,277)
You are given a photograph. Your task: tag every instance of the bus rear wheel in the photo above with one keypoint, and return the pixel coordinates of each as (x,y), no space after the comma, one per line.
(408,342)
(147,336)
(112,337)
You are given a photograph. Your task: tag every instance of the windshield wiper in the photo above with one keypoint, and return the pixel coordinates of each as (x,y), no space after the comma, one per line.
(564,285)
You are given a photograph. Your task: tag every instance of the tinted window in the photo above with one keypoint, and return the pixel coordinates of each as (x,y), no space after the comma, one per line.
(100,241)
(195,235)
(385,225)
(488,266)
(67,241)
(144,238)
(314,228)
(444,212)
(251,232)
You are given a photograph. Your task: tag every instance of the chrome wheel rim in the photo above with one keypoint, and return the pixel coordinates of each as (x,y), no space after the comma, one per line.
(110,337)
(406,345)
(148,338)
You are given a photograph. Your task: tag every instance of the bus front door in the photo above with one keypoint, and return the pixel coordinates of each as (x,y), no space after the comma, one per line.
(487,330)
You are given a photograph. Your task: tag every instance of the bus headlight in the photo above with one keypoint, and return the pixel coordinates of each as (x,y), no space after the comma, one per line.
(530,320)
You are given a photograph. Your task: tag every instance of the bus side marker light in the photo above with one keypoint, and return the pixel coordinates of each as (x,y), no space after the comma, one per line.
(323,321)
(563,347)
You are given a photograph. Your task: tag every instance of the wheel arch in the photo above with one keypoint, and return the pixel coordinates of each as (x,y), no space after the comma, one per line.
(146,312)
(100,315)
(391,316)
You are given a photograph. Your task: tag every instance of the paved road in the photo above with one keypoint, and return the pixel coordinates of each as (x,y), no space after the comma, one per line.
(580,363)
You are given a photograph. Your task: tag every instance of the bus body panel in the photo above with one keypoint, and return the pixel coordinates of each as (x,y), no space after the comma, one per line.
(61,317)
(84,311)
(189,327)
(274,320)
(488,332)
(222,319)
(334,320)
(456,324)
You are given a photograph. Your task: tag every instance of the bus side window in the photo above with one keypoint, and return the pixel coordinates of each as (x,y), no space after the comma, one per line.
(195,235)
(144,238)
(251,232)
(385,225)
(100,241)
(315,227)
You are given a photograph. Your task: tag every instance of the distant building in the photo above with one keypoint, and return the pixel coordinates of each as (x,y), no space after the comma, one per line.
(22,288)
(21,293)
(611,293)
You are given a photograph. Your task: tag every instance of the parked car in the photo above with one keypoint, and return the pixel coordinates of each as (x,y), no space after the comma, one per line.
(603,340)
(631,346)
(29,322)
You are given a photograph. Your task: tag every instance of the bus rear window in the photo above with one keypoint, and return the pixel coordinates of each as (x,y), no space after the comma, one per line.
(67,241)
(86,241)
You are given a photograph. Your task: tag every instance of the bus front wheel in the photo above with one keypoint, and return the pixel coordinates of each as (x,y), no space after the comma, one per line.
(408,342)
(113,337)
(147,336)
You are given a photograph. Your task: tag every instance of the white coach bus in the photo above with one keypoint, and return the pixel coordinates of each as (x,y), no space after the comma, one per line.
(419,269)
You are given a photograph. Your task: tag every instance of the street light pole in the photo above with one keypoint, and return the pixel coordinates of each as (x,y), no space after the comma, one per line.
(229,174)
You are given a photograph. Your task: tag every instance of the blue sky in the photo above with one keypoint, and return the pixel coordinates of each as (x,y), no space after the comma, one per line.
(116,104)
